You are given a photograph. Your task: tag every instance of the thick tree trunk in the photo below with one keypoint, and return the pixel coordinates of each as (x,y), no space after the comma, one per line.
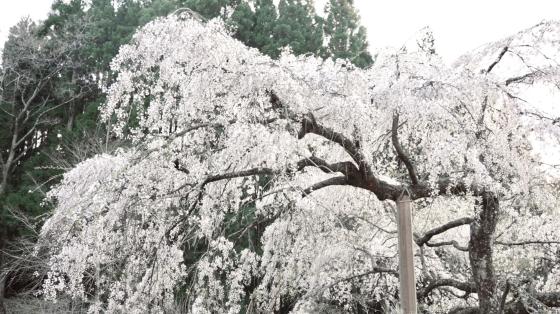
(480,254)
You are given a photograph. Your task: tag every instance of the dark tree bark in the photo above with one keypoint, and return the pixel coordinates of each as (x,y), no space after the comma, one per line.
(480,254)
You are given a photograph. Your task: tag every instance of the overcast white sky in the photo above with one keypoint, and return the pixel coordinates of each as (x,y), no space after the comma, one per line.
(458,26)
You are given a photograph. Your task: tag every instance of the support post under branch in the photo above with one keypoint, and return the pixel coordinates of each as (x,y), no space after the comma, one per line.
(406,256)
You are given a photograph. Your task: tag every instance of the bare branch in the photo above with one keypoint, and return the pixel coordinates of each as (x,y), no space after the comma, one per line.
(346,167)
(468,287)
(542,117)
(504,297)
(452,224)
(400,151)
(375,270)
(453,242)
(4,110)
(310,125)
(529,242)
(27,102)
(323,184)
(520,79)
(498,59)
(238,174)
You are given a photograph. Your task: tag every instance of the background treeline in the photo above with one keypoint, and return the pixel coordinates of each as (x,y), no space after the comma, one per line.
(54,72)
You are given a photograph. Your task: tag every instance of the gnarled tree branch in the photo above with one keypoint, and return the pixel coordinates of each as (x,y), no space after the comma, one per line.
(433,232)
(467,287)
(364,178)
(346,167)
(520,79)
(498,59)
(453,242)
(235,174)
(323,184)
(400,151)
(310,125)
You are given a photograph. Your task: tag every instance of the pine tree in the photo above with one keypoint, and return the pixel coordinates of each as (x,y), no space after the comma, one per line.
(242,21)
(265,22)
(346,38)
(210,8)
(298,27)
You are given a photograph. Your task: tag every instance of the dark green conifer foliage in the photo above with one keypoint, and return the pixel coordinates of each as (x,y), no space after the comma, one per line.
(265,22)
(346,38)
(242,21)
(298,27)
(210,8)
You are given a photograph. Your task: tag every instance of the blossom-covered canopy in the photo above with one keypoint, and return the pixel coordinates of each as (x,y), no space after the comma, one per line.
(263,185)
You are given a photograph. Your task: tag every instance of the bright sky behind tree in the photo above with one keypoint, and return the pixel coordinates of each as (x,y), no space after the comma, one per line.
(458,26)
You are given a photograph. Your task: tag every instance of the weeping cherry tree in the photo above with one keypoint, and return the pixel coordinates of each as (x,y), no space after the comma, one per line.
(257,185)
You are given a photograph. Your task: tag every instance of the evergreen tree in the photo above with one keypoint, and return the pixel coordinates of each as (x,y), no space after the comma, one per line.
(242,21)
(210,8)
(346,38)
(265,22)
(298,27)
(255,27)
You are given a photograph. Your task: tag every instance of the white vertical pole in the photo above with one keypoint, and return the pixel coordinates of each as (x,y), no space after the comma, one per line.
(406,256)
